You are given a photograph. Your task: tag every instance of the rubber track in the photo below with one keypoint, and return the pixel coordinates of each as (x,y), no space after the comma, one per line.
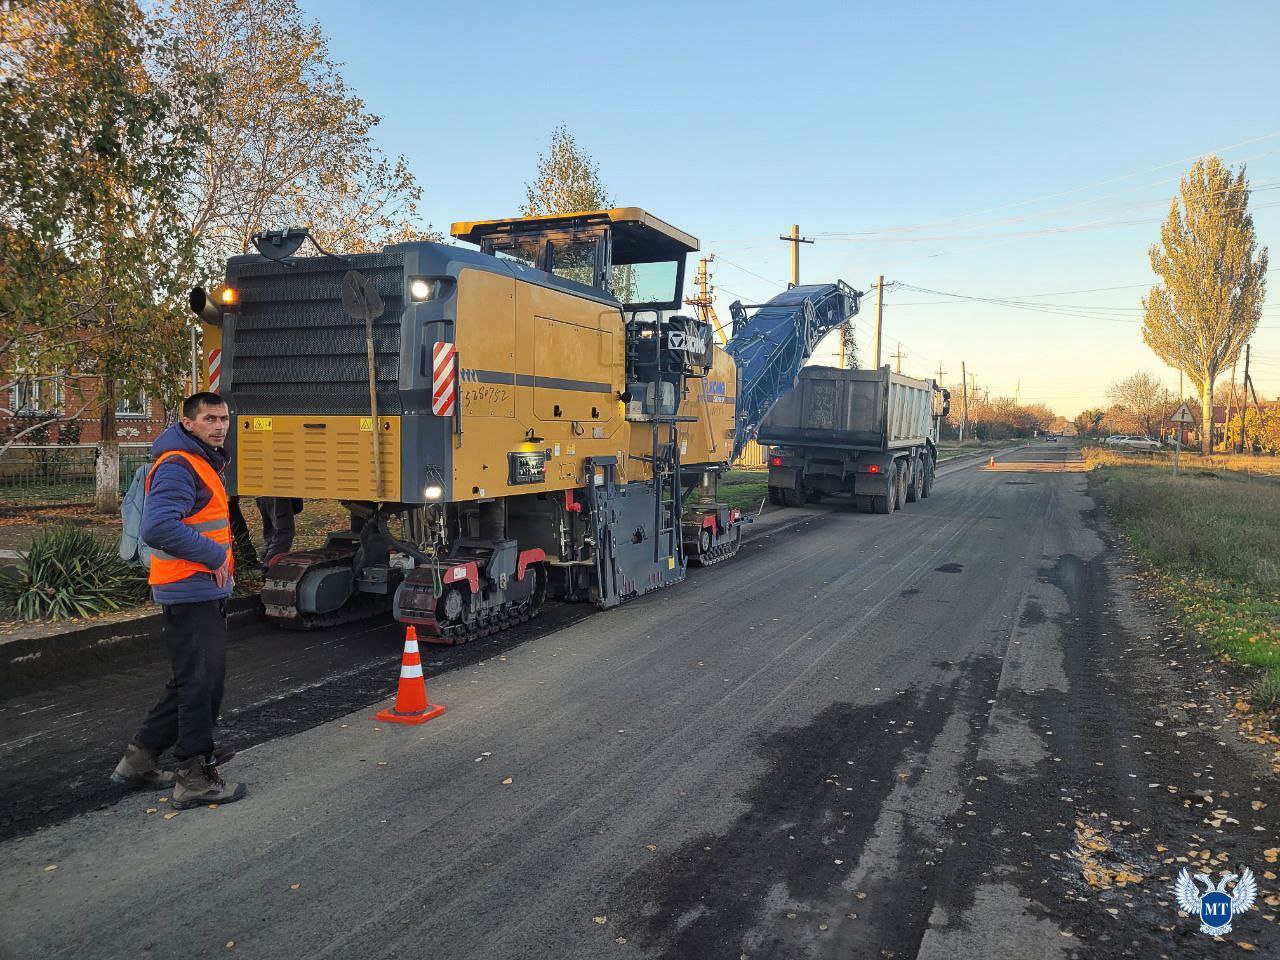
(722,551)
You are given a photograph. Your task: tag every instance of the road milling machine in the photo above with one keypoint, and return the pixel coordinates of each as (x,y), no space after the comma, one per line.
(529,419)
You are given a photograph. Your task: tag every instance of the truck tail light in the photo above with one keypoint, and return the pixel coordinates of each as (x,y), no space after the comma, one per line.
(874,468)
(776,462)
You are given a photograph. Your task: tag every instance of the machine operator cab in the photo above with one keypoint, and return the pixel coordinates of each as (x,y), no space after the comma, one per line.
(623,255)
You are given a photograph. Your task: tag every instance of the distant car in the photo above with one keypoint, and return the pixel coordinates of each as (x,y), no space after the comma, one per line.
(1050,438)
(1137,443)
(1115,440)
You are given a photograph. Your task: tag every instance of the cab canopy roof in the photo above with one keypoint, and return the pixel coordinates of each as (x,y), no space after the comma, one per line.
(638,237)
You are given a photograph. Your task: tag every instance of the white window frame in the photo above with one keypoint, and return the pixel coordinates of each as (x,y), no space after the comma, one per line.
(144,402)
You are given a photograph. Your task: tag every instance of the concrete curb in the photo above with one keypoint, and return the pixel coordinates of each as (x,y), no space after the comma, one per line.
(75,650)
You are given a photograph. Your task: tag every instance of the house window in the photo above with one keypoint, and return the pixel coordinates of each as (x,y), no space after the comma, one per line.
(132,405)
(24,395)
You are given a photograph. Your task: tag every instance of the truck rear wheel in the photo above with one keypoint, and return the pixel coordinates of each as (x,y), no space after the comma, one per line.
(793,496)
(886,502)
(900,485)
(926,486)
(775,495)
(915,489)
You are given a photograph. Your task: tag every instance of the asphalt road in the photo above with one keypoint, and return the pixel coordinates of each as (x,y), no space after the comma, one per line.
(956,731)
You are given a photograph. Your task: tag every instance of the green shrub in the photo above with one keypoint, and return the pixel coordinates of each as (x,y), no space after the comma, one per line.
(70,573)
(1266,691)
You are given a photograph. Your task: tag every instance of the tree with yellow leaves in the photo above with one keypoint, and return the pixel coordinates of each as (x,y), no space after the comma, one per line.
(1213,279)
(288,143)
(94,155)
(568,180)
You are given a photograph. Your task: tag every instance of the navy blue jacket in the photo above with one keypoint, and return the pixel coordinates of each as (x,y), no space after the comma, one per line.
(176,492)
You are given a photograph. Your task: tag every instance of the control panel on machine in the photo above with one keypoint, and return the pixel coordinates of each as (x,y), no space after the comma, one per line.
(526,468)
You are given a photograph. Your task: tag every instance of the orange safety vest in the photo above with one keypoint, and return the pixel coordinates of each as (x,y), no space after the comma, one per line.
(212,521)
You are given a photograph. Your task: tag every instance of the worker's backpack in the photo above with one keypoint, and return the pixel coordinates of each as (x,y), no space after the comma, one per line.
(132,550)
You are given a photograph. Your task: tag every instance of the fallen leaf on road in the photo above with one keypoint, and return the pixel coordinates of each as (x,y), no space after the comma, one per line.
(651,847)
(231,944)
(860,895)
(52,866)
(171,814)
(621,940)
(152,809)
(1246,945)
(600,919)
(1257,804)
(382,763)
(294,886)
(506,782)
(1271,854)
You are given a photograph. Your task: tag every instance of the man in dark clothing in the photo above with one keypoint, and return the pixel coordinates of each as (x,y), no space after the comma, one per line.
(186,522)
(277,526)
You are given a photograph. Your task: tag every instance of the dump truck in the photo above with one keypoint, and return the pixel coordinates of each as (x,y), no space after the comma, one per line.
(871,434)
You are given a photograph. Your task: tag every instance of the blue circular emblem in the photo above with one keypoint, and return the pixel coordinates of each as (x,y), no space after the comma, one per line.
(1215,910)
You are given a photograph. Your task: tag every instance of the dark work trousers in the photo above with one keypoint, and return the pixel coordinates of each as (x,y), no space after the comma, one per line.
(277,526)
(196,634)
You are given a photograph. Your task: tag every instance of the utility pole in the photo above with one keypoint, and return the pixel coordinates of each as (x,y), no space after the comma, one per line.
(704,302)
(898,356)
(941,373)
(1244,391)
(795,240)
(964,393)
(1017,394)
(879,315)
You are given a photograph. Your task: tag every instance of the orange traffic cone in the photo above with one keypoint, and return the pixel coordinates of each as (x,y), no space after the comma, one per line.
(411,696)
(992,461)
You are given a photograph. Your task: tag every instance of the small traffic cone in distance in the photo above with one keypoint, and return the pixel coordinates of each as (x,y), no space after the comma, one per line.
(411,696)
(992,461)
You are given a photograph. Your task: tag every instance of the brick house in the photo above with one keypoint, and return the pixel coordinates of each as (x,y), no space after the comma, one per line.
(139,419)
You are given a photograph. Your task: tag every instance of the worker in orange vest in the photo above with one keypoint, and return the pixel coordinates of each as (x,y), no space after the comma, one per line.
(187,524)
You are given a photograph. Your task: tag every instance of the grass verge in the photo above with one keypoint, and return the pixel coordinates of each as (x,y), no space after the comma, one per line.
(1212,541)
(744,489)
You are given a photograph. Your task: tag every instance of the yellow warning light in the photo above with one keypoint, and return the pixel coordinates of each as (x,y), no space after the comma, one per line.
(228,296)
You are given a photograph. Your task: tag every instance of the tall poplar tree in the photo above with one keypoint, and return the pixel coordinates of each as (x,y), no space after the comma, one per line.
(568,180)
(1213,279)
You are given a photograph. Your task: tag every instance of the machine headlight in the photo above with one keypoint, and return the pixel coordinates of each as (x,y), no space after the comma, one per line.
(422,289)
(433,491)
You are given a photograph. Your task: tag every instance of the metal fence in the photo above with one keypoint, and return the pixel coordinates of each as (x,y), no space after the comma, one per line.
(752,456)
(51,473)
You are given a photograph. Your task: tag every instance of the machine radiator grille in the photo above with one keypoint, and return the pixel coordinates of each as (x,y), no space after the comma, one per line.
(295,350)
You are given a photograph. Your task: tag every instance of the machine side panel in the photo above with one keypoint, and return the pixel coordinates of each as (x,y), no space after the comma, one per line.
(712,400)
(524,350)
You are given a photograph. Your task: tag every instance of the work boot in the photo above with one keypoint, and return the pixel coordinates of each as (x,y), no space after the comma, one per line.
(138,768)
(199,784)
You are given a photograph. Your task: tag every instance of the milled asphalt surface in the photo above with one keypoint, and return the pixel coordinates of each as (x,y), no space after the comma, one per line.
(900,736)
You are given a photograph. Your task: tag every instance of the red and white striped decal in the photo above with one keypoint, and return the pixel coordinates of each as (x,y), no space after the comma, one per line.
(215,370)
(444,379)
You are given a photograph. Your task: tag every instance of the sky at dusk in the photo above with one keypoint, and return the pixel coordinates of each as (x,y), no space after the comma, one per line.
(1024,153)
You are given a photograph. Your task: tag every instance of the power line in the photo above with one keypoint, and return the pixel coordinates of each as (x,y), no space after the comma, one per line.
(1090,186)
